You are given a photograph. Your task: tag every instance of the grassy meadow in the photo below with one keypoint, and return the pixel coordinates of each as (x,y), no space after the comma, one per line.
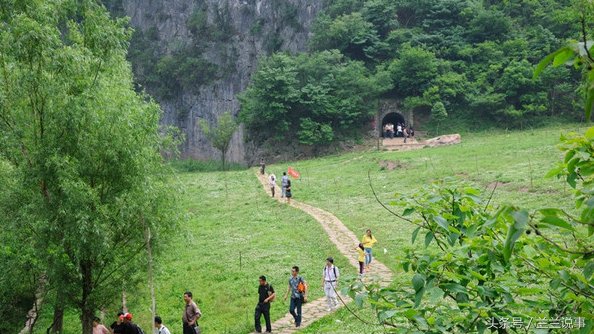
(517,161)
(232,231)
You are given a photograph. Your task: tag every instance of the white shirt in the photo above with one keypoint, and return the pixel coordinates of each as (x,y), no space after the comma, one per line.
(162,330)
(329,273)
(272,180)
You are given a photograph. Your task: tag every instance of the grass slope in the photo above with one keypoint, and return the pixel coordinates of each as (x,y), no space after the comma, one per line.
(339,184)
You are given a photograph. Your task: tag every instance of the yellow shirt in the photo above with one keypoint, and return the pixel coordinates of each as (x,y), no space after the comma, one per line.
(368,241)
(361,257)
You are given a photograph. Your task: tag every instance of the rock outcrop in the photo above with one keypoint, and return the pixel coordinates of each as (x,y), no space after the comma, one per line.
(241,33)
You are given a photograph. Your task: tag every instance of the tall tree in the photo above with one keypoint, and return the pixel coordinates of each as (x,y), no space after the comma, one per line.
(83,149)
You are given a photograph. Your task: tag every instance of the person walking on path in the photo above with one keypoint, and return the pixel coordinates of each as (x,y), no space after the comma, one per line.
(330,277)
(361,258)
(368,241)
(262,166)
(98,328)
(298,290)
(266,295)
(288,192)
(272,182)
(284,182)
(191,315)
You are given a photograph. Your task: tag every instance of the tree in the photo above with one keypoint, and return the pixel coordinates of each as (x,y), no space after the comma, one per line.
(413,71)
(438,113)
(220,135)
(83,151)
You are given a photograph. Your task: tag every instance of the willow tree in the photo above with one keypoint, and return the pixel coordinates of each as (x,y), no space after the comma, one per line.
(82,146)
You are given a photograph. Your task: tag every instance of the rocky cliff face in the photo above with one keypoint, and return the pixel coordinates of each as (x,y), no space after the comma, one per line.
(227,37)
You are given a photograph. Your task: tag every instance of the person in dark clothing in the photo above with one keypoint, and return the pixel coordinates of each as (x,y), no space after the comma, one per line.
(128,326)
(117,327)
(266,295)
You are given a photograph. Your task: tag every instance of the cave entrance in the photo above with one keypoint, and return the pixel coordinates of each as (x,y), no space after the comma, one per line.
(391,118)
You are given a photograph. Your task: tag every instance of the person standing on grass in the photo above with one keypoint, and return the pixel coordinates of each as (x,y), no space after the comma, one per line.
(266,295)
(98,328)
(284,182)
(272,182)
(298,290)
(361,258)
(288,192)
(330,277)
(159,327)
(191,315)
(368,241)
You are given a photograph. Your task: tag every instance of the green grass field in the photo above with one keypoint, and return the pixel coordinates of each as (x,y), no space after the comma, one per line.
(233,232)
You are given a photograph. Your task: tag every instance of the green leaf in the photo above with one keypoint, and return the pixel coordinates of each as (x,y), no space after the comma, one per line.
(589,269)
(547,60)
(514,232)
(428,238)
(414,234)
(408,211)
(563,56)
(418,282)
(386,314)
(441,222)
(419,297)
(556,221)
(453,288)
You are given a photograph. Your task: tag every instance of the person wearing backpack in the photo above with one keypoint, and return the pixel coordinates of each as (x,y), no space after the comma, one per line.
(330,277)
(298,290)
(266,296)
(128,326)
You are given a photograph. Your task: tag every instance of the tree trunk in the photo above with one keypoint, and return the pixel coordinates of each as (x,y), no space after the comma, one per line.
(58,323)
(85,306)
(223,158)
(149,255)
(33,313)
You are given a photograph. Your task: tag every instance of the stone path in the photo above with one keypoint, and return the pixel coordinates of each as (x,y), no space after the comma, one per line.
(345,242)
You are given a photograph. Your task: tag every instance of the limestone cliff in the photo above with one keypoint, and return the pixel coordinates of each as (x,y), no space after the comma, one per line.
(195,56)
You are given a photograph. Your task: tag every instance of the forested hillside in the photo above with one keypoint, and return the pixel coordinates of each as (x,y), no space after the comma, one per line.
(475,58)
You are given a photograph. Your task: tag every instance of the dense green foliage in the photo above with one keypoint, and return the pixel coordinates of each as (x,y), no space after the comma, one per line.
(314,99)
(474,57)
(80,165)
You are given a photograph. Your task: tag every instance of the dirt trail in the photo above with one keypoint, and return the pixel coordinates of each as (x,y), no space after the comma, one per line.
(345,241)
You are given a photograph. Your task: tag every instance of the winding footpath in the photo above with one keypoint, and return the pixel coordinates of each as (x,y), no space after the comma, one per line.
(345,242)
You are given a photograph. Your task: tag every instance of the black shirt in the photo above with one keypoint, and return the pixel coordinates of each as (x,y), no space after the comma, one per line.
(264,291)
(117,329)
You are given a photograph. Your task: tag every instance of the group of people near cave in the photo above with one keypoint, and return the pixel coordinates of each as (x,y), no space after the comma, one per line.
(401,131)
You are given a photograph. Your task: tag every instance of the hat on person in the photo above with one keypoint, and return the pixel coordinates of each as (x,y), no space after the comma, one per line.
(127,316)
(330,259)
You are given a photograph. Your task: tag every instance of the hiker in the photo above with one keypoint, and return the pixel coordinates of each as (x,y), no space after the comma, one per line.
(298,290)
(160,328)
(98,328)
(272,182)
(330,282)
(368,240)
(117,326)
(128,326)
(262,166)
(266,295)
(284,181)
(361,258)
(399,130)
(288,193)
(191,315)
(405,134)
